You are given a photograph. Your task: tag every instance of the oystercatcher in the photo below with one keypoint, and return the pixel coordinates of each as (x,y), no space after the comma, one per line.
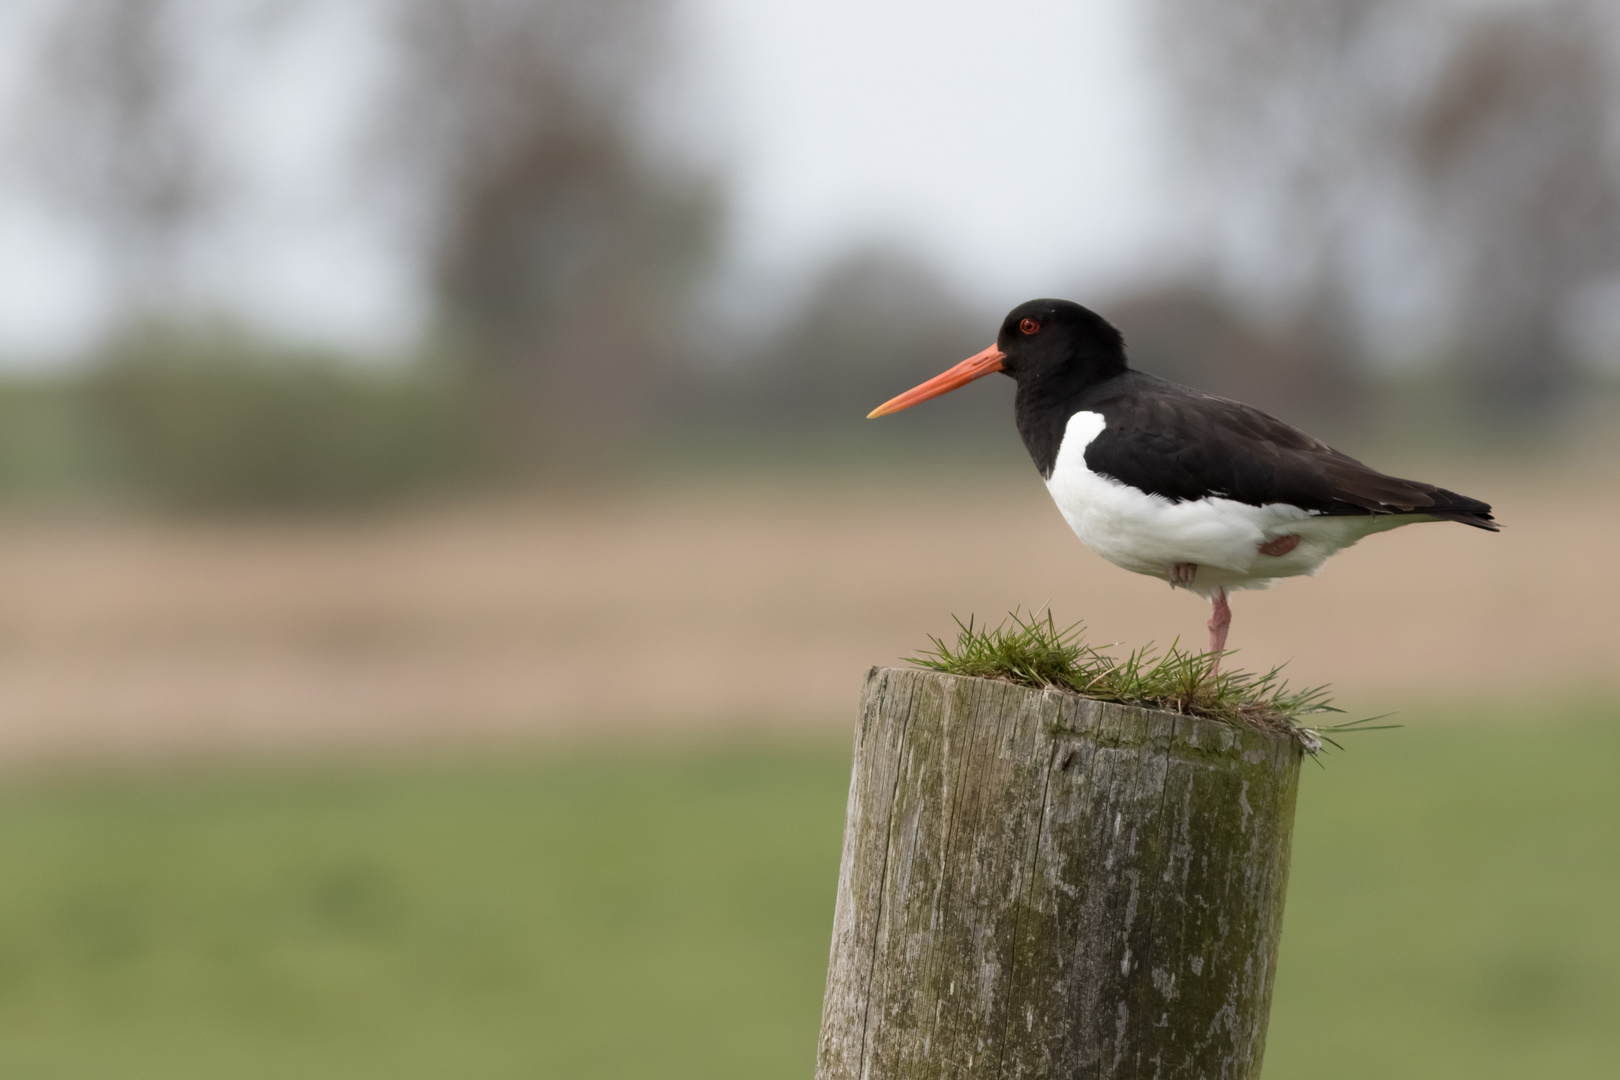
(1208,494)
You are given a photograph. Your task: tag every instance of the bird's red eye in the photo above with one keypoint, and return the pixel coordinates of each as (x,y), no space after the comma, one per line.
(1029,326)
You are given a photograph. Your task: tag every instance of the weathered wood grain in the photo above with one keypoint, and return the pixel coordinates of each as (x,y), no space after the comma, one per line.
(1038,885)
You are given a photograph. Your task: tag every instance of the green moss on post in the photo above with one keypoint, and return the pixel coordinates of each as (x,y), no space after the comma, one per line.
(1036,884)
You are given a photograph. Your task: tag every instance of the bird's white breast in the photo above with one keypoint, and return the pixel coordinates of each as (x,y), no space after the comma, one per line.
(1148,534)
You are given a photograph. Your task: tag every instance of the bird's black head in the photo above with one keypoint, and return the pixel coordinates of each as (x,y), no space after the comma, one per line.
(1044,341)
(1051,347)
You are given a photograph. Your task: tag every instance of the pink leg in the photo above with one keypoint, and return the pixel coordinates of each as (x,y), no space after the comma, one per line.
(1219,621)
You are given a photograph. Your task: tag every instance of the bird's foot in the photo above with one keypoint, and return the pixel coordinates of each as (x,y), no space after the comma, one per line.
(1182,574)
(1282,545)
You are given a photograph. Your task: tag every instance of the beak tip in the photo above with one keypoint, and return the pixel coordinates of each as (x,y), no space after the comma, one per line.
(974,367)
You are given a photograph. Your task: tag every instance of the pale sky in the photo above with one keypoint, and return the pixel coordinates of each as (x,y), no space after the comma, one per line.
(1016,147)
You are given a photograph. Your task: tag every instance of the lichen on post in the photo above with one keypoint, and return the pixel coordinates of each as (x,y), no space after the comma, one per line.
(1036,884)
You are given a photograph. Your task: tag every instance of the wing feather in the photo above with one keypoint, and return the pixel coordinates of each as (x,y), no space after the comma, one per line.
(1182,444)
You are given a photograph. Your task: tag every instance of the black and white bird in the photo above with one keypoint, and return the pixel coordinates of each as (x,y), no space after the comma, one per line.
(1208,494)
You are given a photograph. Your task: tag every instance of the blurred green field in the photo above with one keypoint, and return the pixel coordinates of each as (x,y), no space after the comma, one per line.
(663,910)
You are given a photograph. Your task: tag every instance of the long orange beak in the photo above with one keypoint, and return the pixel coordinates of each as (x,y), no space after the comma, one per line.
(976,366)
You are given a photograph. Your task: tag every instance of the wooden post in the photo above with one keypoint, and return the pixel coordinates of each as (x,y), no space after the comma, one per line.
(1035,884)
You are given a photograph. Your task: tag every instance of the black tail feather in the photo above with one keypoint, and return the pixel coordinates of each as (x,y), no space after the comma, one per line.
(1464,517)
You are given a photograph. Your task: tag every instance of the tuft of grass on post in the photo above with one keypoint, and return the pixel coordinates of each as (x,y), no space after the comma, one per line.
(1034,652)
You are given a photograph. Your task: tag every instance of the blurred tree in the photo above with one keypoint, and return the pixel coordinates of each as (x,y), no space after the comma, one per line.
(1364,156)
(1514,149)
(561,250)
(206,417)
(1282,121)
(558,247)
(115,140)
(1191,333)
(871,323)
(875,322)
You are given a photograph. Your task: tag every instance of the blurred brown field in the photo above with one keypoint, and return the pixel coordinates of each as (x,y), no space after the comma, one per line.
(710,605)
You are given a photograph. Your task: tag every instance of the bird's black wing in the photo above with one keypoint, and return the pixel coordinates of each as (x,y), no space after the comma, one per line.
(1182,444)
